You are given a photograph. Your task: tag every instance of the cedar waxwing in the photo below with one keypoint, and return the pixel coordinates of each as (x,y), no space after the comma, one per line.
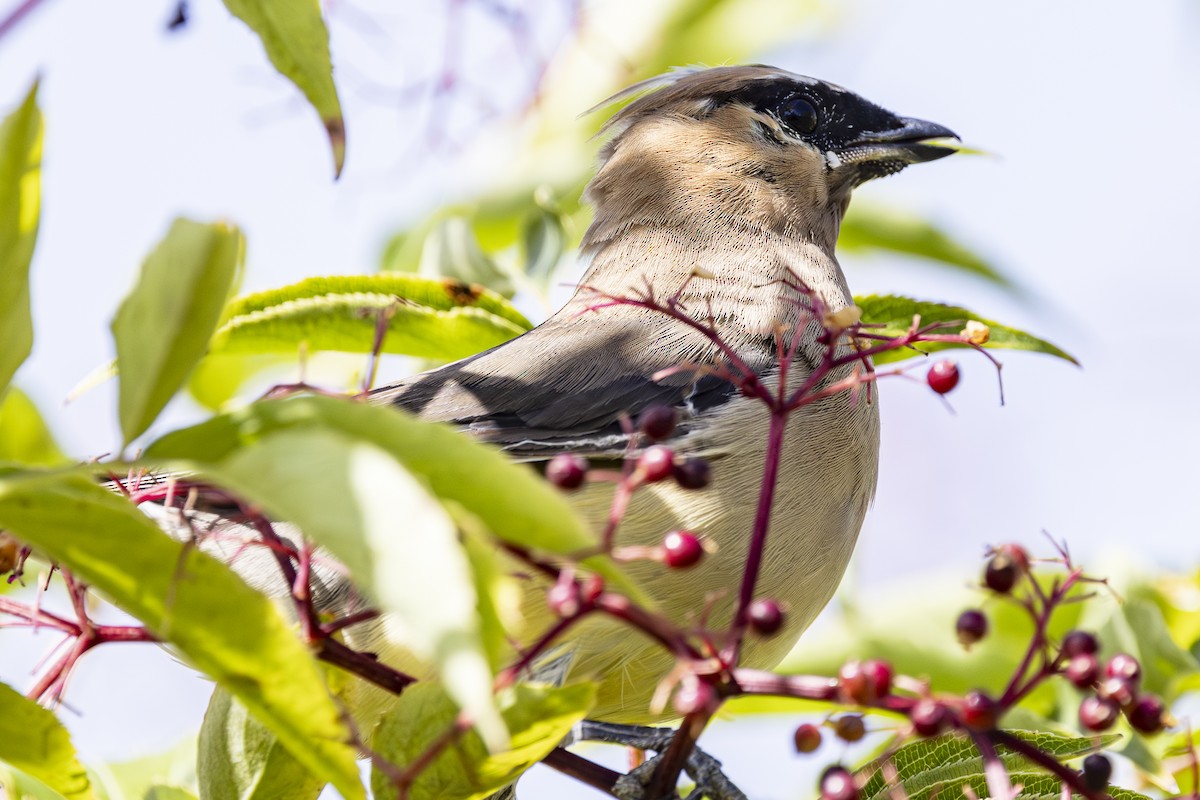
(721,186)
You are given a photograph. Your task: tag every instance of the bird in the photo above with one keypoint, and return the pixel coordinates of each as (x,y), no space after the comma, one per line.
(714,187)
(722,189)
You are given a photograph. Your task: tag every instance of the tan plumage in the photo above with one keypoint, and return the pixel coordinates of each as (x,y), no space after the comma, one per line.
(703,184)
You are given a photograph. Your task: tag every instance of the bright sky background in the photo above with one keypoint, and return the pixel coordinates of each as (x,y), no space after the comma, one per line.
(1091,107)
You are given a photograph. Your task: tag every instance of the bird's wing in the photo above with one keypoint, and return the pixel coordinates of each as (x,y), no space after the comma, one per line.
(568,384)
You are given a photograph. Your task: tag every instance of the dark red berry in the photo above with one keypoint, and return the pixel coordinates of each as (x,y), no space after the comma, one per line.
(838,784)
(1125,667)
(1097,770)
(850,727)
(979,711)
(1082,670)
(682,549)
(1001,573)
(1147,714)
(695,696)
(656,463)
(1098,713)
(693,473)
(807,738)
(942,376)
(1119,690)
(864,682)
(929,717)
(971,626)
(1078,643)
(657,422)
(567,471)
(1016,554)
(564,598)
(765,616)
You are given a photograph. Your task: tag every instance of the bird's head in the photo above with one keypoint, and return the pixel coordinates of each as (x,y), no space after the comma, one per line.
(751,145)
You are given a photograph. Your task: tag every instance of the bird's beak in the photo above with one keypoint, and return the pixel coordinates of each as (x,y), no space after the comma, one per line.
(912,142)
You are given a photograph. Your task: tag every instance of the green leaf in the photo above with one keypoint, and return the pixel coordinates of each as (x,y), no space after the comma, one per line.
(136,777)
(164,325)
(429,318)
(24,437)
(510,499)
(451,250)
(175,793)
(20,175)
(297,43)
(35,742)
(538,717)
(16,784)
(355,498)
(870,228)
(895,314)
(229,631)
(544,241)
(929,768)
(239,757)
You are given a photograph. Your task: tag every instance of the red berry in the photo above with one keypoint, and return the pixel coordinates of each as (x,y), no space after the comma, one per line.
(979,711)
(838,784)
(1096,772)
(656,463)
(942,376)
(1082,670)
(971,626)
(564,598)
(850,727)
(1079,643)
(682,549)
(1097,713)
(1001,573)
(1016,554)
(1148,714)
(864,682)
(593,585)
(807,738)
(1119,690)
(567,471)
(693,473)
(765,616)
(1125,667)
(657,422)
(929,717)
(695,696)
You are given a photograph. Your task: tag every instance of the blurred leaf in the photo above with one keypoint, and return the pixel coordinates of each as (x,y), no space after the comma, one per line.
(20,175)
(218,377)
(912,626)
(430,318)
(497,592)
(24,437)
(174,793)
(136,777)
(544,242)
(17,785)
(239,757)
(297,43)
(928,768)
(451,250)
(35,742)
(357,499)
(896,313)
(164,324)
(510,499)
(537,717)
(867,229)
(229,631)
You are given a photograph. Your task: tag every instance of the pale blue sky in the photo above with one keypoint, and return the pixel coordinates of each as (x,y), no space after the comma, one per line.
(1091,107)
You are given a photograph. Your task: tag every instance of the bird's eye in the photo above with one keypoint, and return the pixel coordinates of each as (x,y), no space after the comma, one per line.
(799,115)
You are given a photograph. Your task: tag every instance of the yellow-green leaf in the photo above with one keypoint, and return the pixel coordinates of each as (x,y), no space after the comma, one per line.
(297,43)
(35,742)
(24,437)
(442,319)
(895,314)
(230,632)
(163,326)
(20,173)
(538,718)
